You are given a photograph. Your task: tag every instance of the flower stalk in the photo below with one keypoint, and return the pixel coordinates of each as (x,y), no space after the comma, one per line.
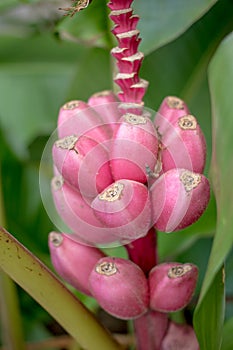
(129,59)
(150,330)
(136,251)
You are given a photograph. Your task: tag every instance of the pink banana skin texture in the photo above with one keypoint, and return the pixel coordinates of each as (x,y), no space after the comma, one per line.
(124,206)
(179,197)
(183,145)
(182,141)
(172,286)
(170,110)
(106,105)
(120,287)
(83,163)
(134,148)
(77,214)
(73,261)
(79,118)
(180,337)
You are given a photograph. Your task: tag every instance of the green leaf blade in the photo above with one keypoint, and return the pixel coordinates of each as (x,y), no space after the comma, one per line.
(227,339)
(35,278)
(209,316)
(163,21)
(220,81)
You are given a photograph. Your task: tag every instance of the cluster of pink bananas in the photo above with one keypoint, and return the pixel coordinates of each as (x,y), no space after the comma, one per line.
(122,172)
(124,290)
(118,173)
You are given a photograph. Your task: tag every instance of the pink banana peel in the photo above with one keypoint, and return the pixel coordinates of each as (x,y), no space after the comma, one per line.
(172,286)
(120,287)
(73,261)
(179,197)
(83,163)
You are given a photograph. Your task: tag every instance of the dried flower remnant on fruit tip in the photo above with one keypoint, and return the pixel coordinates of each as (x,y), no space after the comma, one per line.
(175,102)
(179,271)
(190,180)
(67,142)
(106,268)
(77,6)
(55,238)
(112,193)
(71,105)
(57,182)
(188,122)
(134,119)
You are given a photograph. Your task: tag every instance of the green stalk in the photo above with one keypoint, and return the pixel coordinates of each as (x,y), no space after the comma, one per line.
(38,281)
(11,325)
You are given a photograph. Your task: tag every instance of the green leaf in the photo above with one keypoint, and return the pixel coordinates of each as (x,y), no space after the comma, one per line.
(34,277)
(220,80)
(7,3)
(90,78)
(28,98)
(209,316)
(36,78)
(164,20)
(227,339)
(160,22)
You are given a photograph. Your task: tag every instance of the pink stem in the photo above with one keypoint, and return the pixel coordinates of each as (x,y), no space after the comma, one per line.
(150,330)
(151,327)
(143,251)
